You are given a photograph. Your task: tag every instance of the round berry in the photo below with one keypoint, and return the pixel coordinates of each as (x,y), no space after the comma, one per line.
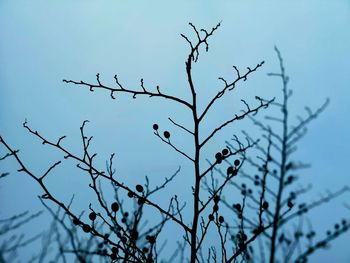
(130,194)
(218,156)
(155,127)
(224,151)
(211,217)
(237,206)
(167,134)
(237,162)
(76,221)
(221,219)
(92,216)
(86,228)
(151,239)
(230,170)
(115,207)
(265,205)
(139,188)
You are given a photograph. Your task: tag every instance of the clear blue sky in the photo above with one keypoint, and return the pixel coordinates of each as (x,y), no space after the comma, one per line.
(43,42)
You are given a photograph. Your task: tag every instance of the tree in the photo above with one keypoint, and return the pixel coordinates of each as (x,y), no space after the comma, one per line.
(13,238)
(277,174)
(118,231)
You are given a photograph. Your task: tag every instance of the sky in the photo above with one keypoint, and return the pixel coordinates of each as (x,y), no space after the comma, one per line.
(44,42)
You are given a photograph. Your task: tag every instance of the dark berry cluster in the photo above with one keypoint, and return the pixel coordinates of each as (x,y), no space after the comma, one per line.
(165,133)
(239,210)
(241,238)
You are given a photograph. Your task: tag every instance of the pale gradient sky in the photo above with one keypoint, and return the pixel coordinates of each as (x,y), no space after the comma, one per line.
(43,42)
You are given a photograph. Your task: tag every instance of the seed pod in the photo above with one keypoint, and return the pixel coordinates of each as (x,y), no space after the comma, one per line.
(265,205)
(115,207)
(230,170)
(167,134)
(139,188)
(92,216)
(225,151)
(218,156)
(86,228)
